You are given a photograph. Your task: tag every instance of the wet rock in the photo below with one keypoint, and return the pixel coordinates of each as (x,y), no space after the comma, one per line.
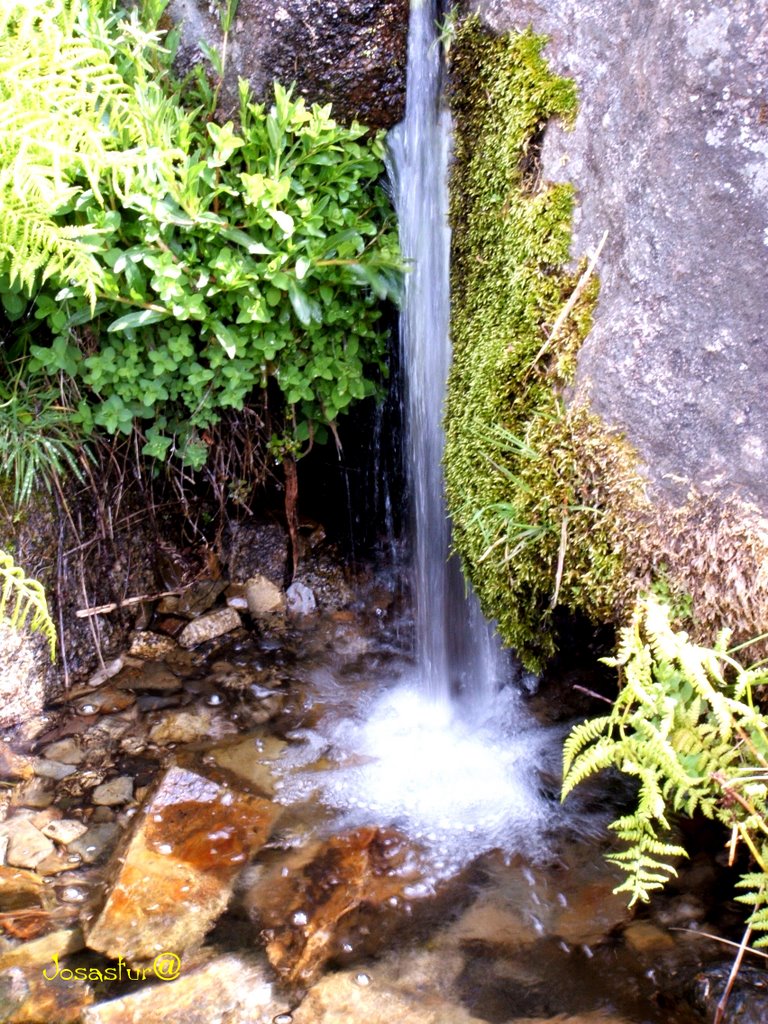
(263,597)
(117,791)
(67,751)
(20,890)
(64,830)
(57,863)
(302,910)
(200,597)
(96,843)
(257,549)
(40,952)
(174,875)
(575,902)
(183,726)
(645,937)
(300,600)
(34,793)
(209,627)
(27,845)
(356,996)
(27,997)
(147,645)
(106,671)
(13,765)
(251,760)
(103,702)
(231,988)
(150,675)
(56,770)
(748,1002)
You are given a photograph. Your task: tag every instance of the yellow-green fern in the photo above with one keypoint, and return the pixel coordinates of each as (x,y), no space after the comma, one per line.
(685,726)
(23,602)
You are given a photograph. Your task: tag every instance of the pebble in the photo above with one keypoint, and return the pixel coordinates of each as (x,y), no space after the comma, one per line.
(68,751)
(209,626)
(116,791)
(49,769)
(65,830)
(27,845)
(97,841)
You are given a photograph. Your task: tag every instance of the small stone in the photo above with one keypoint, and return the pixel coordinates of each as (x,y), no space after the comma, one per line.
(68,751)
(209,626)
(200,597)
(20,890)
(57,863)
(116,791)
(14,766)
(183,726)
(104,702)
(96,842)
(36,792)
(65,830)
(300,599)
(646,937)
(27,845)
(101,675)
(143,644)
(237,597)
(263,597)
(151,675)
(48,769)
(252,760)
(28,997)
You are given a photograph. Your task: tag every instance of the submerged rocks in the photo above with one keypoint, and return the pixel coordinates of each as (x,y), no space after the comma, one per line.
(230,988)
(302,910)
(174,875)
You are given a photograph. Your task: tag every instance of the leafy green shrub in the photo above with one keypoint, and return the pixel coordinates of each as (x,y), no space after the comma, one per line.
(685,725)
(200,261)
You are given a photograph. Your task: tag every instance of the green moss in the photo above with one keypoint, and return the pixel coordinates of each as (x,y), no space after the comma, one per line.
(524,476)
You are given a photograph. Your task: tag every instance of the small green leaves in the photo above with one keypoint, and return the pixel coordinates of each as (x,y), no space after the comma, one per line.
(141,318)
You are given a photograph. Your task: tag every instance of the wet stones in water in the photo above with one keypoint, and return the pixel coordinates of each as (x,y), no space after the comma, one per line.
(304,912)
(232,988)
(27,845)
(173,877)
(748,1002)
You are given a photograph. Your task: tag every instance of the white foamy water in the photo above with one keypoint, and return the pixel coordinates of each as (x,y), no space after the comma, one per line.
(458,788)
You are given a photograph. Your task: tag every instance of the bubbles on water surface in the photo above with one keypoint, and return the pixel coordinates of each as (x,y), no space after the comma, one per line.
(454,779)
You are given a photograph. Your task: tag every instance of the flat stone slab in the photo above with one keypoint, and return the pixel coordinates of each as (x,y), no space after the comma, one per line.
(173,875)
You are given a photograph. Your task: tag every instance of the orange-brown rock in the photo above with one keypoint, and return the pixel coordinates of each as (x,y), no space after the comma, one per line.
(303,910)
(173,875)
(27,997)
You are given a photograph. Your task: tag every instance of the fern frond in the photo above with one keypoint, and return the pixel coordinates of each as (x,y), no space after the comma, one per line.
(23,602)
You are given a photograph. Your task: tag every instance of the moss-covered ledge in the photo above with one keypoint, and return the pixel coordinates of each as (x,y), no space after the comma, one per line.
(550,506)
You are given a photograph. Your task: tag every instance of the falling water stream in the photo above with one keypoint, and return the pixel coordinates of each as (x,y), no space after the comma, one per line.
(443,747)
(456,649)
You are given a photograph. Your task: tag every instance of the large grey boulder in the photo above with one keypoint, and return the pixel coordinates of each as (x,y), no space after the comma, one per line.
(669,155)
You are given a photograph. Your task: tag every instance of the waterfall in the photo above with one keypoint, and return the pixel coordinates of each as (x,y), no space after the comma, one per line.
(456,650)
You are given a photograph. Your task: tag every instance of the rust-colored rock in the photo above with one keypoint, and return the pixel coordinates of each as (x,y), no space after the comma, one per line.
(173,875)
(303,911)
(26,997)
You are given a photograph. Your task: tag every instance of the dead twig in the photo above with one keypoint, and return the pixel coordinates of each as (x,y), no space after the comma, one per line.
(103,609)
(567,309)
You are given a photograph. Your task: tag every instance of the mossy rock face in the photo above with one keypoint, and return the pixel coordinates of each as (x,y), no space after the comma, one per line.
(523,504)
(551,506)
